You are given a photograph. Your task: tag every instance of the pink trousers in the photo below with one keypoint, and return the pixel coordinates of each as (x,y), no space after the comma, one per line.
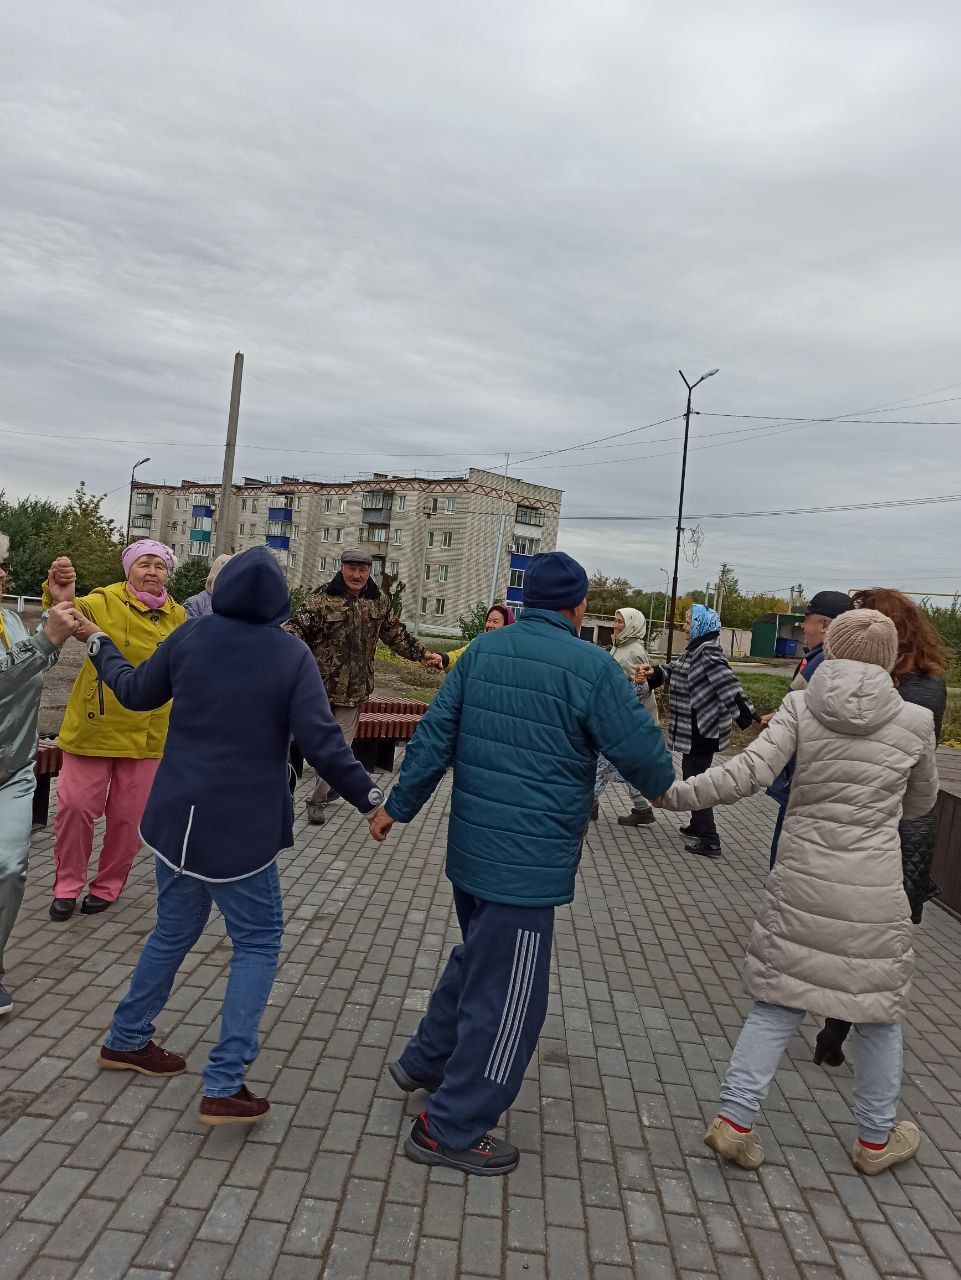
(92,787)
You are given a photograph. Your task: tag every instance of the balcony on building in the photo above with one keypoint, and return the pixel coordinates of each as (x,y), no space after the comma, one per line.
(201,511)
(530,517)
(199,535)
(141,522)
(278,541)
(144,501)
(376,507)
(280,515)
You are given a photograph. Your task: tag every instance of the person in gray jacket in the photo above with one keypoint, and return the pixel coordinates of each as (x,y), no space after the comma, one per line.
(23,660)
(833,936)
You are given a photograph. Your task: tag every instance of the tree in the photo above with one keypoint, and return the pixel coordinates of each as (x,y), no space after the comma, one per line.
(472,622)
(606,595)
(40,530)
(189,578)
(25,523)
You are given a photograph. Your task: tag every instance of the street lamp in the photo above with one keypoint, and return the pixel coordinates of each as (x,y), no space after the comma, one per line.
(680,505)
(130,503)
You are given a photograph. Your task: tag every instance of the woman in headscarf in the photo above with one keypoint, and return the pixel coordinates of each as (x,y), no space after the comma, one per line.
(705,702)
(110,754)
(627,650)
(498,615)
(201,604)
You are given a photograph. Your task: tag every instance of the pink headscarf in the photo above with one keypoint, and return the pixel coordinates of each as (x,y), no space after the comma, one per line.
(147,547)
(506,612)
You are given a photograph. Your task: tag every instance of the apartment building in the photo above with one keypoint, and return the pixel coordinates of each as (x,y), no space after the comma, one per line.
(439,537)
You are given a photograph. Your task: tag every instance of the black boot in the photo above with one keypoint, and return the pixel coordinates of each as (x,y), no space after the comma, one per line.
(705,846)
(637,818)
(828,1049)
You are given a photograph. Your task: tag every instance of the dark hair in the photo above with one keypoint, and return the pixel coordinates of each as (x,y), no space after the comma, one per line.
(920,648)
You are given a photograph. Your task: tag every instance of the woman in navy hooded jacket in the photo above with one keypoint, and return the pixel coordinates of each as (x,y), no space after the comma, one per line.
(220,810)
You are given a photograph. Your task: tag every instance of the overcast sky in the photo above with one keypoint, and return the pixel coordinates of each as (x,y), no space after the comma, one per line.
(441,231)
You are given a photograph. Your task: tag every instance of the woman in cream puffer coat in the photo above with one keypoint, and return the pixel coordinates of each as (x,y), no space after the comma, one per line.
(833,935)
(628,651)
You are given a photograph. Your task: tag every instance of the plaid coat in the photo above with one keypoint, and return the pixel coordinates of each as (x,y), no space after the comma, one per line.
(702,685)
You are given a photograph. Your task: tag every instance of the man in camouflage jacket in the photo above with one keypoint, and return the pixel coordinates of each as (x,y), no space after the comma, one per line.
(341,624)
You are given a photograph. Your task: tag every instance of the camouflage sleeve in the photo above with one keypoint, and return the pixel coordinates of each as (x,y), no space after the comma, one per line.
(306,622)
(396,636)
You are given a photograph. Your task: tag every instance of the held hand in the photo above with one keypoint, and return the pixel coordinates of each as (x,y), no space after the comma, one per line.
(380,823)
(61,624)
(659,802)
(766,720)
(643,673)
(432,661)
(62,580)
(84,627)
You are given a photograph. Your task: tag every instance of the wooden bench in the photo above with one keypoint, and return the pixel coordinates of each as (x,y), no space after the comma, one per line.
(49,760)
(384,724)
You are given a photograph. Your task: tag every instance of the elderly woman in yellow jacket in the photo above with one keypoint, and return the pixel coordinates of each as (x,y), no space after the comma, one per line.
(110,755)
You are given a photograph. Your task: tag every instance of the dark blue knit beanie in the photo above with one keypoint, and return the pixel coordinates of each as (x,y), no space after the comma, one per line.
(553,580)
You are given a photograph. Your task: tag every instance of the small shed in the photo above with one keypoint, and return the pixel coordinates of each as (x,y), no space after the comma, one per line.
(778,635)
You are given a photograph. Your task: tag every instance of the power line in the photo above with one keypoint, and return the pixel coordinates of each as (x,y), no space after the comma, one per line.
(867,422)
(787,511)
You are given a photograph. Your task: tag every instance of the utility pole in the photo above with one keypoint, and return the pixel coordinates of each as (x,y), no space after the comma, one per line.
(500,537)
(719,589)
(226,485)
(680,504)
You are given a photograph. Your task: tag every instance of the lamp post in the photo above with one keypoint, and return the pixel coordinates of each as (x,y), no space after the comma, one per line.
(130,503)
(680,505)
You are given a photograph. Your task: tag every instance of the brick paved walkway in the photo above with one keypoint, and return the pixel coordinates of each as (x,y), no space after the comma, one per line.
(109,1176)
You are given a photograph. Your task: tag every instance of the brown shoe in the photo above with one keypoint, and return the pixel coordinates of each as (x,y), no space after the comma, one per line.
(151,1060)
(240,1108)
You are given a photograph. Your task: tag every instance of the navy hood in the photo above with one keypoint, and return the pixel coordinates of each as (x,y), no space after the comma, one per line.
(251,588)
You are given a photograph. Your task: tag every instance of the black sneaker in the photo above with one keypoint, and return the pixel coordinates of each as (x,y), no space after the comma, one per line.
(408,1083)
(705,846)
(62,909)
(489,1157)
(686,831)
(92,905)
(637,818)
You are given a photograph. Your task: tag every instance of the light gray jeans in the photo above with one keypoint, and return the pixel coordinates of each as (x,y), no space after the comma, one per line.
(16,819)
(876,1050)
(348,718)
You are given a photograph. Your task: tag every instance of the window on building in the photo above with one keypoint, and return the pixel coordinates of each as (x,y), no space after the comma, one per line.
(447,540)
(183,526)
(423,604)
(322,562)
(298,503)
(430,539)
(253,505)
(393,568)
(397,538)
(426,572)
(338,535)
(342,505)
(450,506)
(327,502)
(325,536)
(243,504)
(296,530)
(178,504)
(443,572)
(440,604)
(292,559)
(433,506)
(402,502)
(378,534)
(530,515)
(517,577)
(525,546)
(241,528)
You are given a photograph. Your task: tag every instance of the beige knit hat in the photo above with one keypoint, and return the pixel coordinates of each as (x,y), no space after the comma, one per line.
(863,635)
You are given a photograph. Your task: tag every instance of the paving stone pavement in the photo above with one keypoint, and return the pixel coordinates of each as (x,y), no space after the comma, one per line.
(108,1176)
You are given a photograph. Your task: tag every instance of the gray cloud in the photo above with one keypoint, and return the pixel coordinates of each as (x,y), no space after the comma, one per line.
(446,230)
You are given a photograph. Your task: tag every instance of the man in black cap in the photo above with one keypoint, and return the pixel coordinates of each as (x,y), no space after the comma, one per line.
(341,624)
(825,606)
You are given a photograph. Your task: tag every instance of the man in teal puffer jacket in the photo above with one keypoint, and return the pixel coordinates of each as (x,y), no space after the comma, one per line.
(521,718)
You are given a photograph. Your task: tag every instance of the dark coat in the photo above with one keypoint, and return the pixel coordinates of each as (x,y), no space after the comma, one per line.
(220,808)
(917,834)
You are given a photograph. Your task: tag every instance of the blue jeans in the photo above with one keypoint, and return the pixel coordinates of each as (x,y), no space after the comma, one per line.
(761,1044)
(781,814)
(16,819)
(484,1017)
(253,912)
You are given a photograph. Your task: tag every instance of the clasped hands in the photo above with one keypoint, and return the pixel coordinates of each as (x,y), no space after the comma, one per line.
(432,661)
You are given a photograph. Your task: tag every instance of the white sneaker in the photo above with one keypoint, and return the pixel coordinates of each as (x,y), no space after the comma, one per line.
(743,1148)
(902,1144)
